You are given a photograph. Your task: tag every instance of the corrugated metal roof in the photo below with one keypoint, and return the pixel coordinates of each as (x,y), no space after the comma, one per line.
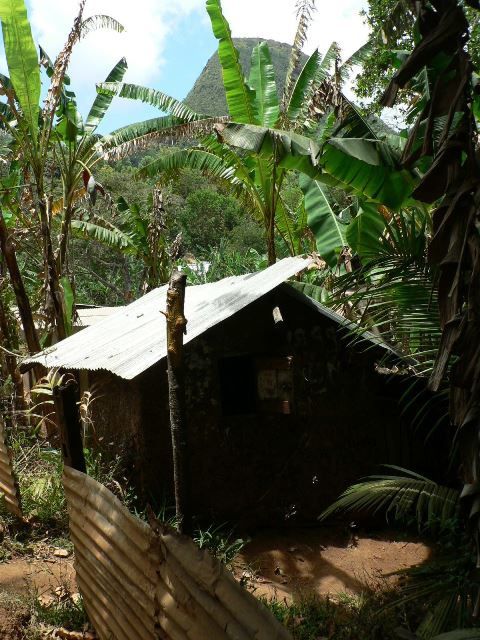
(91,315)
(134,338)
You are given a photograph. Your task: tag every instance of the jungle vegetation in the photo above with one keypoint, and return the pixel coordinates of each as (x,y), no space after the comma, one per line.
(288,165)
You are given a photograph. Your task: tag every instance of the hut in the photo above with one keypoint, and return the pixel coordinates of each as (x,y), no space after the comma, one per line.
(283,408)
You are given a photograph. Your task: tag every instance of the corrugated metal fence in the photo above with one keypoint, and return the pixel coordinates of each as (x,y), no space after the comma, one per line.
(141,584)
(8,486)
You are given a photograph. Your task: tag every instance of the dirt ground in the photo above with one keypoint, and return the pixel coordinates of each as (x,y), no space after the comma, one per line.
(280,564)
(43,578)
(284,564)
(39,576)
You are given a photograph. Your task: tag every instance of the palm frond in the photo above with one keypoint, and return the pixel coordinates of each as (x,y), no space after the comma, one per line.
(204,161)
(166,129)
(399,496)
(111,236)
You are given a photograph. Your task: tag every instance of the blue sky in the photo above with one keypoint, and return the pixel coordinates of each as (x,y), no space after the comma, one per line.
(168,42)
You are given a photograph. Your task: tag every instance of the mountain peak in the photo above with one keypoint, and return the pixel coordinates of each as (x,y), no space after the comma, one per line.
(208,96)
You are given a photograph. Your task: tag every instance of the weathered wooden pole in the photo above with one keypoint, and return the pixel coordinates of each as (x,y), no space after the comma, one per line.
(176,328)
(65,399)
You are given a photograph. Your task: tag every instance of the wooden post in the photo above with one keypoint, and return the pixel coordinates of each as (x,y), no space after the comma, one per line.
(176,327)
(65,399)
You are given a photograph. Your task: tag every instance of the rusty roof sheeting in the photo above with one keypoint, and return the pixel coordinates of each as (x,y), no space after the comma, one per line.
(8,485)
(134,338)
(141,584)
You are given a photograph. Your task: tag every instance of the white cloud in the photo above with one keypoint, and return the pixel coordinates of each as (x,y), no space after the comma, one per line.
(149,23)
(333,21)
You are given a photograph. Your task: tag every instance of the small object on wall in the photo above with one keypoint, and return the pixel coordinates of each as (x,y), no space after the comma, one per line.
(275,384)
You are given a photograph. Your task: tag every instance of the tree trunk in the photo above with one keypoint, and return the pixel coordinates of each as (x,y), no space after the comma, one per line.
(176,327)
(11,360)
(63,242)
(53,290)
(23,302)
(270,231)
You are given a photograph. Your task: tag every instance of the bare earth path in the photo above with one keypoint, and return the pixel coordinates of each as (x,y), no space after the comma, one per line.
(41,578)
(285,564)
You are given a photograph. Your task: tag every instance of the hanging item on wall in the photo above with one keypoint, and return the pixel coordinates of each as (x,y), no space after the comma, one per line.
(275,384)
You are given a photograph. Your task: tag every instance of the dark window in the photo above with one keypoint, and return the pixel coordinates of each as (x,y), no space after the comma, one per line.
(238,387)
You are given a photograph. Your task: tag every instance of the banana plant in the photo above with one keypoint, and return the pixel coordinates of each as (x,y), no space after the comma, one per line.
(35,133)
(252,102)
(130,234)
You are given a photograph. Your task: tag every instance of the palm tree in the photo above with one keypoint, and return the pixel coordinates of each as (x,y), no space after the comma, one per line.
(131,235)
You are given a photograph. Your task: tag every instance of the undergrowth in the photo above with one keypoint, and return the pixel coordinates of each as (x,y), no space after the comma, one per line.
(220,541)
(345,617)
(68,613)
(31,619)
(38,469)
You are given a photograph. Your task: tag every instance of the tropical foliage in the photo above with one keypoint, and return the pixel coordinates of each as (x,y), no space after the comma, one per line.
(35,136)
(253,159)
(391,215)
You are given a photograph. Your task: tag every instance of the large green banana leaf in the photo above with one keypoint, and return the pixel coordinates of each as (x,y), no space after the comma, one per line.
(365,167)
(304,80)
(368,168)
(364,232)
(314,72)
(239,96)
(262,81)
(22,60)
(291,150)
(156,98)
(327,228)
(103,101)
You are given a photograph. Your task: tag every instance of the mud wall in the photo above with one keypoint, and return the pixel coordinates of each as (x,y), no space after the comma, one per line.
(261,466)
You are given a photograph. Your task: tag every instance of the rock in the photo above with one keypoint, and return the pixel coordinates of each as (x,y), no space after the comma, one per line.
(61,553)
